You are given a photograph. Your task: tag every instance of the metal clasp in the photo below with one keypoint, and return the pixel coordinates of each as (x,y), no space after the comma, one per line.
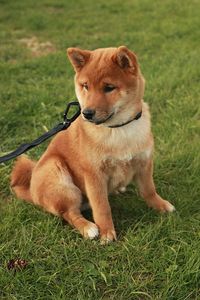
(66,118)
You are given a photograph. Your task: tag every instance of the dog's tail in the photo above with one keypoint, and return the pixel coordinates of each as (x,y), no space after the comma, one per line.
(21,177)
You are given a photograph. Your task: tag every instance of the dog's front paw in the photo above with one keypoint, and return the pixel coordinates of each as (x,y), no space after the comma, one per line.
(162,206)
(166,206)
(108,236)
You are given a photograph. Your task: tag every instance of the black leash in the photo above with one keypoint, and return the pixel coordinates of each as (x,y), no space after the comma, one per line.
(61,126)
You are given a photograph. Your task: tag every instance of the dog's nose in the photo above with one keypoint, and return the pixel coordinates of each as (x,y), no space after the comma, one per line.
(88,113)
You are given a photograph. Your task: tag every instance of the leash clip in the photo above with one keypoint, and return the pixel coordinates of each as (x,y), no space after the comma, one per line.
(66,118)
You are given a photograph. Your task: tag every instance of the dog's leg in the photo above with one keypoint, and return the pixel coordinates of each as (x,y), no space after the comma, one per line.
(74,217)
(144,180)
(52,188)
(96,189)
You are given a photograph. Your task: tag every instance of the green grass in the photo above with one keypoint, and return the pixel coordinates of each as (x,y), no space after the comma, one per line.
(156,256)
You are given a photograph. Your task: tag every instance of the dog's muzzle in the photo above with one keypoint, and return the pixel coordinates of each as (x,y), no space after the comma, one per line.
(91,116)
(88,114)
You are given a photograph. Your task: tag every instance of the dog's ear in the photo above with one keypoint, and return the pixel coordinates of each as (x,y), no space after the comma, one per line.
(78,57)
(126,59)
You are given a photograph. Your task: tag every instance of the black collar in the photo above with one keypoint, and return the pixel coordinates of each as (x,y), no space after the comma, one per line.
(135,118)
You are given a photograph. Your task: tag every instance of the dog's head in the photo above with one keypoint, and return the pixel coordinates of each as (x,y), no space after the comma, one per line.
(108,84)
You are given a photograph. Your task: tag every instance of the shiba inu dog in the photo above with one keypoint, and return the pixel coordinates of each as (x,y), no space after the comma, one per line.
(106,148)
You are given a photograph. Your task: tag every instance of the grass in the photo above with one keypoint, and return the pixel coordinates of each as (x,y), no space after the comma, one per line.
(156,256)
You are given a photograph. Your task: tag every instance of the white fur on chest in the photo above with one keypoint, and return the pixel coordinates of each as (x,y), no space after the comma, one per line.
(125,143)
(118,150)
(125,148)
(120,171)
(127,157)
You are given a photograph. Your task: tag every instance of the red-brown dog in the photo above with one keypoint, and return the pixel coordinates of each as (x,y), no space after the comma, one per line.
(106,148)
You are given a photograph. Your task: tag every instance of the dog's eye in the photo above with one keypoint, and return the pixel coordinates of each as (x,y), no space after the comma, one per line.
(109,88)
(85,86)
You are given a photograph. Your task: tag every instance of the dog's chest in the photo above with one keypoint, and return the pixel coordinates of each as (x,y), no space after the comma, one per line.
(119,172)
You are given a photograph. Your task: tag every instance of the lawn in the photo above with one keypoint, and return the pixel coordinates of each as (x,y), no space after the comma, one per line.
(156,256)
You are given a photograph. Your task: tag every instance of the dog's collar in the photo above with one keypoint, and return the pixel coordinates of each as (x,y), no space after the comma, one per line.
(138,116)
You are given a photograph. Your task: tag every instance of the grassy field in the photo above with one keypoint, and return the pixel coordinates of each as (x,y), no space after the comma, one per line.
(156,256)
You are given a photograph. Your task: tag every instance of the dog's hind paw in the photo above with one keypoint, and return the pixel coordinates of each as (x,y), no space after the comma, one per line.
(120,190)
(90,231)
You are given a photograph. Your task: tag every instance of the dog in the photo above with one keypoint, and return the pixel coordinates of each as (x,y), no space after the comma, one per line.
(107,147)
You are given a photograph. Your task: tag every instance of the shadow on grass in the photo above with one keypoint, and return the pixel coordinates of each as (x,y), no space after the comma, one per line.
(128,212)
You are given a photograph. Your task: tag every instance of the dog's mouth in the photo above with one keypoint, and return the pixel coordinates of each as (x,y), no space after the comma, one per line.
(99,121)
